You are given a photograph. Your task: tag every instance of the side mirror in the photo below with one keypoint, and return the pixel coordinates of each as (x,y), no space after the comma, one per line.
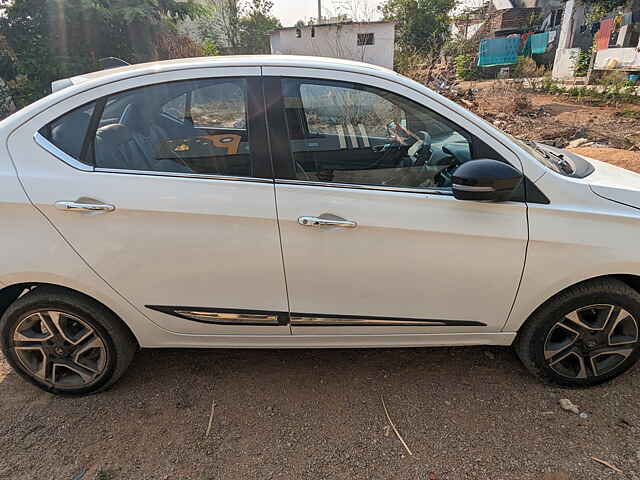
(485,180)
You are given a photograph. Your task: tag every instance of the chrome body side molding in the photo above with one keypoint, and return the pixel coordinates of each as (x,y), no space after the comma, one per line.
(225,316)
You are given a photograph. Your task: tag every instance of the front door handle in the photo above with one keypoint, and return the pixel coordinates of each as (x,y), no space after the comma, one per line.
(69,206)
(321,222)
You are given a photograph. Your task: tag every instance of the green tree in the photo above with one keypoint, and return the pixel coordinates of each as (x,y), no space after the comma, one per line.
(227,17)
(255,26)
(421,25)
(53,39)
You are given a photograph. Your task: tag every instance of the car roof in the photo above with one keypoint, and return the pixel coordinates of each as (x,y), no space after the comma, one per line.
(120,73)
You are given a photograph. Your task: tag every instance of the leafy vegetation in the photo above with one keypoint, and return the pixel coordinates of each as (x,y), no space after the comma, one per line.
(583,62)
(52,39)
(612,90)
(421,25)
(465,67)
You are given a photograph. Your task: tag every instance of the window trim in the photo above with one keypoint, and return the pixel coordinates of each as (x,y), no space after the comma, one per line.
(152,173)
(356,186)
(42,141)
(87,153)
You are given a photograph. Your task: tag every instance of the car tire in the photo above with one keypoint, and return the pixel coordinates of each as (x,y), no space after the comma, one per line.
(584,336)
(65,342)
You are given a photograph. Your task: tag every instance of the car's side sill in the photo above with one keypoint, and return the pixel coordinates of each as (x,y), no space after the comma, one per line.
(169,340)
(227,316)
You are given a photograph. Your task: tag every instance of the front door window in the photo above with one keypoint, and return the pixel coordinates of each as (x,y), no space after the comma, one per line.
(355,134)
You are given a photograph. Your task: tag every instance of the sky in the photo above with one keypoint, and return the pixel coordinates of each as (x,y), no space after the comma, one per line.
(290,11)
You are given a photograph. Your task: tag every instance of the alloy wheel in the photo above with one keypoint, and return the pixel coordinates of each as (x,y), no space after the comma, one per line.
(59,349)
(591,341)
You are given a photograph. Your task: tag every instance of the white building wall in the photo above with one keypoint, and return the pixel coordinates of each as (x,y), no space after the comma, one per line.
(565,62)
(338,41)
(618,58)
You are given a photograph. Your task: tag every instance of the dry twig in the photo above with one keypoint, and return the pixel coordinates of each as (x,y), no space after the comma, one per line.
(213,405)
(607,464)
(394,427)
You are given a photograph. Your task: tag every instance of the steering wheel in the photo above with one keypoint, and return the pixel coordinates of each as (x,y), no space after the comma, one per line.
(420,152)
(444,177)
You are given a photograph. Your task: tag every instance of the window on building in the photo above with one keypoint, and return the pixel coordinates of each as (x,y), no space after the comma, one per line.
(365,39)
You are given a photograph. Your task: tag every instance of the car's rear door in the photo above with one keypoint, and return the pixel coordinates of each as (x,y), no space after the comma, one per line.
(378,245)
(184,225)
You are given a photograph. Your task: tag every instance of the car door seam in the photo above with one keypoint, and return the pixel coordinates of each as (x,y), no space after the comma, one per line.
(275,201)
(524,265)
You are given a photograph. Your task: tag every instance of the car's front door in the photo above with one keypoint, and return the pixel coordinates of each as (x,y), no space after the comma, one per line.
(185,221)
(373,240)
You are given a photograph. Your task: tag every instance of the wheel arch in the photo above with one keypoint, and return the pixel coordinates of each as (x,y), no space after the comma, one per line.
(11,293)
(631,280)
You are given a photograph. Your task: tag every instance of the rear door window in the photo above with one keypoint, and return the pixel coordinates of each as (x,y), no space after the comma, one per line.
(191,126)
(69,131)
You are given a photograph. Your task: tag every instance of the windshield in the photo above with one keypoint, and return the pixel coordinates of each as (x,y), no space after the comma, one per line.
(560,161)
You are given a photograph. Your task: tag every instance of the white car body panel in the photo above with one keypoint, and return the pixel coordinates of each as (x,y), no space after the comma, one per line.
(578,236)
(39,254)
(471,269)
(428,251)
(615,183)
(180,241)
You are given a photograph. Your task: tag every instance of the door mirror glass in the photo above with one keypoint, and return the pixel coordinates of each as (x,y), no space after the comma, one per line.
(485,180)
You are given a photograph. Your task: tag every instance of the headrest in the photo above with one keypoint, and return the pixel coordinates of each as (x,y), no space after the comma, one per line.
(114,134)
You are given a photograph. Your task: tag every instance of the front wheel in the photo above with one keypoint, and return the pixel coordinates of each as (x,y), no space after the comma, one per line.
(584,336)
(64,342)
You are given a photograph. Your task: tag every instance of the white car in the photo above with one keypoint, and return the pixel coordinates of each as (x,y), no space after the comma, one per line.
(294,202)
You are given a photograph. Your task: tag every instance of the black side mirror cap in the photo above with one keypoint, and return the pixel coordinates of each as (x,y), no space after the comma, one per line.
(485,180)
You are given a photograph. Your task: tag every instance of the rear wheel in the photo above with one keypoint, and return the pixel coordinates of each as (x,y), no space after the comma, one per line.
(65,342)
(584,336)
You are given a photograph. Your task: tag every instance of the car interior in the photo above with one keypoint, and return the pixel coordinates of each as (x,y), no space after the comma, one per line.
(172,128)
(346,133)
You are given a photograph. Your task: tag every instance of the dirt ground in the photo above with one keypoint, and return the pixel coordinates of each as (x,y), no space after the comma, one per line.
(555,119)
(465,413)
(614,156)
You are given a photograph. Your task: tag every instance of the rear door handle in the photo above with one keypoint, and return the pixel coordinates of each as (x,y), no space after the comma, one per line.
(69,206)
(321,222)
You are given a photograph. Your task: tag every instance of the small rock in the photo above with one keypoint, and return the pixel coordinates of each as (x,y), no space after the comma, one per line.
(566,404)
(577,142)
(583,415)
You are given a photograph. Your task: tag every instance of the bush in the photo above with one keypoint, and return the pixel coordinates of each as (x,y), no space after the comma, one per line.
(526,67)
(583,62)
(465,67)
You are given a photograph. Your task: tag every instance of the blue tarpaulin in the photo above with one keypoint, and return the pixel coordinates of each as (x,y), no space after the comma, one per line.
(498,51)
(536,43)
(539,42)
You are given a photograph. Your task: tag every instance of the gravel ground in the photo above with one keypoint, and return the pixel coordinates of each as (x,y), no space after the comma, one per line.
(317,414)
